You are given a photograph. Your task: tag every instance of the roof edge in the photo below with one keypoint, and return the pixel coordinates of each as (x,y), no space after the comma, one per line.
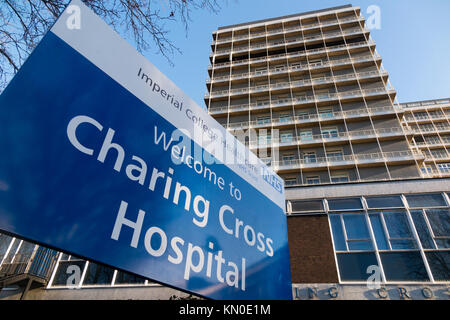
(286,17)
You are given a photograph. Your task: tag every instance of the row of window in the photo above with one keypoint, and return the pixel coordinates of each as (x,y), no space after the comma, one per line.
(407,238)
(90,273)
(412,201)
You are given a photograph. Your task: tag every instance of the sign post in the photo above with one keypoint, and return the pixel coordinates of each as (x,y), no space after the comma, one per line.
(105,158)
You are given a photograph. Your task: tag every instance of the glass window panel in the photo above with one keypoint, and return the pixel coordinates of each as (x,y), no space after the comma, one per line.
(313,180)
(422,229)
(12,251)
(5,241)
(98,274)
(397,224)
(353,266)
(403,266)
(25,252)
(443,243)
(64,256)
(384,202)
(128,278)
(345,204)
(338,234)
(290,181)
(62,275)
(403,244)
(314,205)
(360,245)
(378,231)
(425,200)
(440,221)
(355,226)
(439,262)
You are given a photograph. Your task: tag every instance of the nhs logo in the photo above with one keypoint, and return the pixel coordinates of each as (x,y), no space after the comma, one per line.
(271,179)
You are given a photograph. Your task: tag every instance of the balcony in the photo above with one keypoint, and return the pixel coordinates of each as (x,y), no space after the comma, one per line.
(287,30)
(310,99)
(293,68)
(431,130)
(383,133)
(293,55)
(345,160)
(298,40)
(297,84)
(426,118)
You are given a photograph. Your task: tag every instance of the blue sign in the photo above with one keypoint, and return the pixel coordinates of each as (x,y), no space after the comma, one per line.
(105,158)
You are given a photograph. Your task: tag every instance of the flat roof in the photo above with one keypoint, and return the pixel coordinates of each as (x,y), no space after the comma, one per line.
(286,17)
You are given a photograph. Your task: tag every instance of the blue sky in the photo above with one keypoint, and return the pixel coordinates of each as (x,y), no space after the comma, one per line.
(414,42)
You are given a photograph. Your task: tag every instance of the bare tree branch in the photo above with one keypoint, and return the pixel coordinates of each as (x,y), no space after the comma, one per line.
(24,22)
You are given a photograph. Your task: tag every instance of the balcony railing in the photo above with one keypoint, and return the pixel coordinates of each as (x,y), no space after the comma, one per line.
(293,54)
(312,99)
(345,160)
(433,143)
(431,130)
(264,142)
(39,264)
(292,68)
(298,83)
(288,29)
(298,40)
(419,118)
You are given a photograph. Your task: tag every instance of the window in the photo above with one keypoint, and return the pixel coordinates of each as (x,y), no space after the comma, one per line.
(127,278)
(322,94)
(306,135)
(288,156)
(5,241)
(290,181)
(427,170)
(309,157)
(358,237)
(331,132)
(399,231)
(262,102)
(286,137)
(315,61)
(444,167)
(326,112)
(285,117)
(264,139)
(424,233)
(402,258)
(339,178)
(439,220)
(12,251)
(263,120)
(425,200)
(353,266)
(313,180)
(307,206)
(379,231)
(303,115)
(335,155)
(63,272)
(439,262)
(439,154)
(344,204)
(384,202)
(403,266)
(98,274)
